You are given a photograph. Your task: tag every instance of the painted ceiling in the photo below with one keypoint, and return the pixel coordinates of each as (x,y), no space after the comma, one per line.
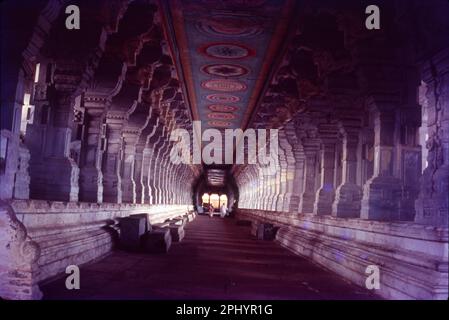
(226,50)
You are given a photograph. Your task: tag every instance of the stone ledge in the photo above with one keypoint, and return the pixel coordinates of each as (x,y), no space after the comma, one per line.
(402,234)
(417,271)
(44,206)
(76,233)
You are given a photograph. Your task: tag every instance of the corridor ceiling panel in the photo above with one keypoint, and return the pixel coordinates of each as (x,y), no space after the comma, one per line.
(226,50)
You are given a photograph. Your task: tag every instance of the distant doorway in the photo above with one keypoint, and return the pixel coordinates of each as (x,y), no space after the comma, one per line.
(205,199)
(224,200)
(215,200)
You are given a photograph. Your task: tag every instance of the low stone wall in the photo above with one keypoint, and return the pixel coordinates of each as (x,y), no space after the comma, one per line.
(413,259)
(63,234)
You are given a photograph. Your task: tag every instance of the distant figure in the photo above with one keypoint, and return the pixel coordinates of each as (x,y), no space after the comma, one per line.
(211,210)
(223,210)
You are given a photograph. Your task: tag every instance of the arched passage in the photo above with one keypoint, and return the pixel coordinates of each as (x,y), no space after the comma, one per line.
(128,117)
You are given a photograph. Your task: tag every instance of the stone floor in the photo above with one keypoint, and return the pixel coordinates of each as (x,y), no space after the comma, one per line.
(217,260)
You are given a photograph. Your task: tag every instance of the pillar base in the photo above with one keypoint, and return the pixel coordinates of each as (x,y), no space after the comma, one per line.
(18,267)
(432,205)
(307,201)
(347,202)
(381,198)
(60,183)
(323,202)
(129,191)
(91,185)
(112,192)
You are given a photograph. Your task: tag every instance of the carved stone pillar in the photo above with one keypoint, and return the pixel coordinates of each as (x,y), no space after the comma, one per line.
(139,173)
(310,171)
(155,182)
(22,181)
(382,192)
(298,174)
(127,179)
(326,193)
(286,176)
(14,161)
(432,206)
(93,146)
(49,145)
(112,168)
(408,160)
(144,177)
(348,195)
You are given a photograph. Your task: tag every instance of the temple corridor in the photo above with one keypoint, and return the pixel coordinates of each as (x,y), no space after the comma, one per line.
(218,259)
(318,130)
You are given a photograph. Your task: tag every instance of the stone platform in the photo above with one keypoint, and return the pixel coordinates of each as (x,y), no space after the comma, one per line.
(413,258)
(217,260)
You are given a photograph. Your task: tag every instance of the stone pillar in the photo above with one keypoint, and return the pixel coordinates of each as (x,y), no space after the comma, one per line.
(289,181)
(264,187)
(22,181)
(139,173)
(308,195)
(163,180)
(150,180)
(365,167)
(160,168)
(127,179)
(155,182)
(432,204)
(147,154)
(382,192)
(285,167)
(409,161)
(14,159)
(167,167)
(298,174)
(281,180)
(49,145)
(112,182)
(93,147)
(325,194)
(348,195)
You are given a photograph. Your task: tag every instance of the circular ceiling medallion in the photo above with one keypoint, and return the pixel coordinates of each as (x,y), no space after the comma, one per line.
(223,98)
(226,51)
(247,3)
(229,25)
(225,70)
(222,108)
(221,116)
(218,123)
(224,85)
(238,3)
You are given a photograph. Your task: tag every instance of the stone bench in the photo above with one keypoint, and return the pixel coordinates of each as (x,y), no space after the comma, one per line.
(175,226)
(177,232)
(157,240)
(180,220)
(191,216)
(266,231)
(132,228)
(244,223)
(136,233)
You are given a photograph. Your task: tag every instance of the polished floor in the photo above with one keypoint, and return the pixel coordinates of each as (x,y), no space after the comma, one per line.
(216,260)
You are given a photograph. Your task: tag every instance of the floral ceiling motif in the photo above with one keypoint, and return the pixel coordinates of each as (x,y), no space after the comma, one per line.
(227,49)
